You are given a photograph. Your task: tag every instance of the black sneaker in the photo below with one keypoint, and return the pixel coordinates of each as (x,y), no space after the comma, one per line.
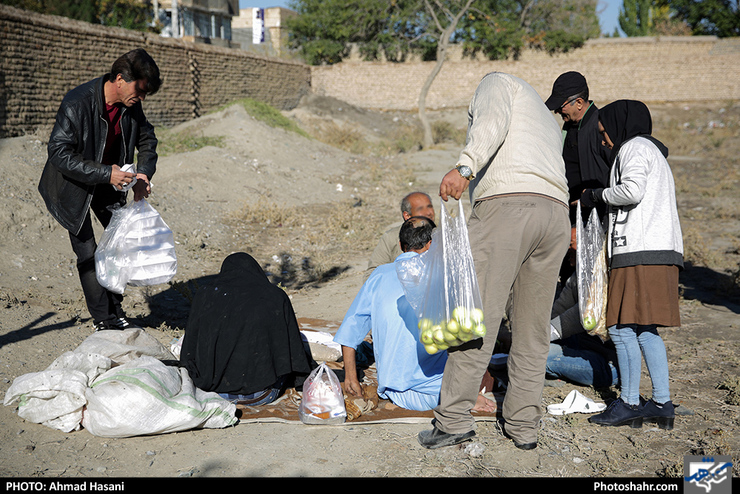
(524,446)
(118,324)
(101,326)
(661,413)
(619,413)
(122,323)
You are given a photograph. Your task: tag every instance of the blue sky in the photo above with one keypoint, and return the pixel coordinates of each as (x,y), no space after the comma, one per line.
(608,10)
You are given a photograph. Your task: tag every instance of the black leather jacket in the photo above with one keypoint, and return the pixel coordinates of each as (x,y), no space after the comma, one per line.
(73,168)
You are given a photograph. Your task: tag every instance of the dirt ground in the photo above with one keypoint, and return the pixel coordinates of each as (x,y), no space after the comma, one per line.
(311,212)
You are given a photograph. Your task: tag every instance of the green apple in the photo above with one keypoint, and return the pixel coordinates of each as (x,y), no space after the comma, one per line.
(425,323)
(426,337)
(466,326)
(478,315)
(443,346)
(589,323)
(453,326)
(460,313)
(479,330)
(438,335)
(431,349)
(463,336)
(449,337)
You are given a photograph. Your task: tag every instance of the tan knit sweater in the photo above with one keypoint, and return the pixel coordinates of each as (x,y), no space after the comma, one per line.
(513,143)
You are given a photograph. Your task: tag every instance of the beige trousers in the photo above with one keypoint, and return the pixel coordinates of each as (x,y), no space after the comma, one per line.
(518,243)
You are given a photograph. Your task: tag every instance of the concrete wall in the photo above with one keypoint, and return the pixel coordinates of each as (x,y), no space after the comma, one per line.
(42,57)
(648,69)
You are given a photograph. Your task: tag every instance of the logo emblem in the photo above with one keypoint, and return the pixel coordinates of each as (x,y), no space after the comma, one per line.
(704,475)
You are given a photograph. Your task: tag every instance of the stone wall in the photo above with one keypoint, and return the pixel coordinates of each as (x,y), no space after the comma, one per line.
(647,69)
(42,57)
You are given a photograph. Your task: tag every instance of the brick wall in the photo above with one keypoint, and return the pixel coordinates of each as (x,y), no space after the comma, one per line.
(647,69)
(42,57)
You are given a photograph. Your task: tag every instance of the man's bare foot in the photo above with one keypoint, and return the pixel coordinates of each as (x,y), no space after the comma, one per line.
(483,404)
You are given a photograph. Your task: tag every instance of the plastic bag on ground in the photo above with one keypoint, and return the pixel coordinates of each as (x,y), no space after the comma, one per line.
(137,248)
(442,286)
(591,273)
(322,402)
(575,402)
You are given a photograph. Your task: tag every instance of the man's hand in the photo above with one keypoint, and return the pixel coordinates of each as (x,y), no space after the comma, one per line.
(142,188)
(119,179)
(453,185)
(353,386)
(351,383)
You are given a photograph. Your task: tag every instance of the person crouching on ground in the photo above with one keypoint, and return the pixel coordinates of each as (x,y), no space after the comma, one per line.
(407,375)
(242,338)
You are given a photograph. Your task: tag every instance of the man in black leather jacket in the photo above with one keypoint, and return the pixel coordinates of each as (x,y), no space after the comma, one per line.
(99,127)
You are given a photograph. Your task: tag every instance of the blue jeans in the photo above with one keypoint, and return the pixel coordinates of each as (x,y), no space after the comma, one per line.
(633,342)
(570,360)
(273,394)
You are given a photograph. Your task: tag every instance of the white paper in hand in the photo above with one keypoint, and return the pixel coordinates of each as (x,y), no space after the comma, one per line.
(130,168)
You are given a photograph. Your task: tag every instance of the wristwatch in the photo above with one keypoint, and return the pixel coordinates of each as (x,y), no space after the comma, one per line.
(465,172)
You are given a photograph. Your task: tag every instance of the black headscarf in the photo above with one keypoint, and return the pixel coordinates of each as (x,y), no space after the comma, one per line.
(242,334)
(625,119)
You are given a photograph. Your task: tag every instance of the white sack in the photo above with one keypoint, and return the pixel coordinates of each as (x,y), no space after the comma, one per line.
(140,396)
(145,396)
(124,346)
(55,397)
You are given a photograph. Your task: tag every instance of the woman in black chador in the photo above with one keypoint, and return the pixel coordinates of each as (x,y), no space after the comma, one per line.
(242,339)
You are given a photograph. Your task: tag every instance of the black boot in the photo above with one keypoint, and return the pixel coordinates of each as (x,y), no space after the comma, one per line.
(435,438)
(661,413)
(619,413)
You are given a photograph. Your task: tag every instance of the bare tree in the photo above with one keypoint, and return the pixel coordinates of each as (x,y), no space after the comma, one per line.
(441,15)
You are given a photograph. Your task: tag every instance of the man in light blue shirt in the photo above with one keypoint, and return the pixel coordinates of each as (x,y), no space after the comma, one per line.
(407,375)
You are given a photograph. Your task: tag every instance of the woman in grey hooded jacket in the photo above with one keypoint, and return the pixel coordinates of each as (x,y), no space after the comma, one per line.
(645,254)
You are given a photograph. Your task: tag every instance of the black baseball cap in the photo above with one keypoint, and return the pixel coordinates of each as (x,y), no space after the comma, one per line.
(566,85)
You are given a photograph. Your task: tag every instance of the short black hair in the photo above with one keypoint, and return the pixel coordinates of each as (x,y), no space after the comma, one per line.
(135,66)
(415,233)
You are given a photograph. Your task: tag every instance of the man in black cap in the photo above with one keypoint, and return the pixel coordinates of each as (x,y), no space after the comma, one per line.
(586,160)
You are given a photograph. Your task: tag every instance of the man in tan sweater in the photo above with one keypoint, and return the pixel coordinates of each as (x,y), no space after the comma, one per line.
(519,232)
(388,248)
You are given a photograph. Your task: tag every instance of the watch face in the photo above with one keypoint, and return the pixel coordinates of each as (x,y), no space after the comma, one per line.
(465,171)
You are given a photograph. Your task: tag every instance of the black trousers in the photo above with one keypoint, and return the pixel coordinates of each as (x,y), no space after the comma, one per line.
(102,304)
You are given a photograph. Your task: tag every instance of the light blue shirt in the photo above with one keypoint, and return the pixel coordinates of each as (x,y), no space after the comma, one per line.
(402,362)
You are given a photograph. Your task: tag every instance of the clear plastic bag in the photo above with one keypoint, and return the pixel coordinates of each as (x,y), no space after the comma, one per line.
(591,273)
(442,286)
(137,248)
(322,402)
